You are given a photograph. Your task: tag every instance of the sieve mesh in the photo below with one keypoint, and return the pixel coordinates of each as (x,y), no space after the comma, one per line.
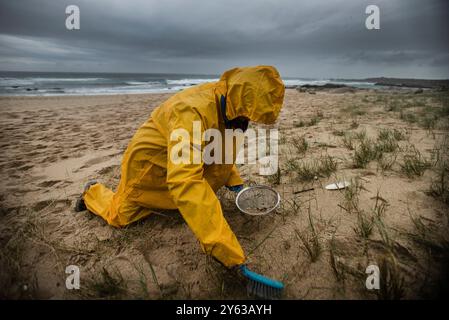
(257,200)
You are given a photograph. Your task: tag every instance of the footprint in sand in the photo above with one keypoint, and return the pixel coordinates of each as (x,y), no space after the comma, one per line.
(108,170)
(77,146)
(17,163)
(25,168)
(32,154)
(11,210)
(62,204)
(55,205)
(11,115)
(41,205)
(51,158)
(48,183)
(94,161)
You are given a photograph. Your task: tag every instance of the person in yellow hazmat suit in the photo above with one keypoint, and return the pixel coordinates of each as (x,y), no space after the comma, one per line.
(150,180)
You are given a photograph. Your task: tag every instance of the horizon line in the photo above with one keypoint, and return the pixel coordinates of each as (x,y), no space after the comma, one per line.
(218,75)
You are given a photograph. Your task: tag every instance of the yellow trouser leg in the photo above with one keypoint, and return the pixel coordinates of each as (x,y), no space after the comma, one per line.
(113,207)
(127,206)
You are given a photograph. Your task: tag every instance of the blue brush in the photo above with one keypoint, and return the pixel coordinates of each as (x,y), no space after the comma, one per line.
(261,286)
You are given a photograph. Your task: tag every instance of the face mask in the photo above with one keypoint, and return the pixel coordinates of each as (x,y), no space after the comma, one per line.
(239,123)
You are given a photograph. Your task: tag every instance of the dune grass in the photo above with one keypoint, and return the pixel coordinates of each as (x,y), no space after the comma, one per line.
(310,239)
(439,187)
(348,140)
(335,264)
(310,170)
(414,164)
(300,144)
(364,153)
(392,283)
(109,285)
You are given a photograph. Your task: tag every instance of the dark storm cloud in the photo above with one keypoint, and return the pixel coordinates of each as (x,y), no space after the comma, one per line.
(302,38)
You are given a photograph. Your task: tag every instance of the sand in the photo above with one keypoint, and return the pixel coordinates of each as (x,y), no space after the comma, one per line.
(51,146)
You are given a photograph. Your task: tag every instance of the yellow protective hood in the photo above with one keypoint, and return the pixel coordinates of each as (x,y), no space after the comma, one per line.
(254,92)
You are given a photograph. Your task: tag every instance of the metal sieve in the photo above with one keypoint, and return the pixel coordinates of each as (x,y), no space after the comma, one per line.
(257,200)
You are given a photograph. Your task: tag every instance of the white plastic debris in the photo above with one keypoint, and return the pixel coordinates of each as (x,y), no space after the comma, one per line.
(338,185)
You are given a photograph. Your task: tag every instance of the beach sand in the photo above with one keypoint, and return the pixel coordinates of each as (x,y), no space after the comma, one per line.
(318,242)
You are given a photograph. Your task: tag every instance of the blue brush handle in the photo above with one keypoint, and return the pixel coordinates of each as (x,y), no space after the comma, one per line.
(259,278)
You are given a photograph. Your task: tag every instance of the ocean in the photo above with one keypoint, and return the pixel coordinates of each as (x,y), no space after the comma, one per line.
(68,83)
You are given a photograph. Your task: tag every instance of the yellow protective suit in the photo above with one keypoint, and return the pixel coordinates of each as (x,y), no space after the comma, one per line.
(149,180)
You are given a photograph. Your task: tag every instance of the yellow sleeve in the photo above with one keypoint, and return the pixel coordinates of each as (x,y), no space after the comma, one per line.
(198,203)
(234,177)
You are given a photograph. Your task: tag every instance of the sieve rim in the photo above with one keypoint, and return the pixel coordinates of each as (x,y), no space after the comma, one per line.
(278,201)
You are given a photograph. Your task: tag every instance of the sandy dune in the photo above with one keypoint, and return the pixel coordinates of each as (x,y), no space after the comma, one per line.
(319,242)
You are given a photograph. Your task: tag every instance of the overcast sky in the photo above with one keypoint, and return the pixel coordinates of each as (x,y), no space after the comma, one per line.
(310,38)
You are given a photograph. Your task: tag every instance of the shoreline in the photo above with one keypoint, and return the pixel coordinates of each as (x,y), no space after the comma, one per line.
(86,95)
(330,87)
(93,85)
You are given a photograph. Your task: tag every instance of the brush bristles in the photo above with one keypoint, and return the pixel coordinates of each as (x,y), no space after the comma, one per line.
(262,291)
